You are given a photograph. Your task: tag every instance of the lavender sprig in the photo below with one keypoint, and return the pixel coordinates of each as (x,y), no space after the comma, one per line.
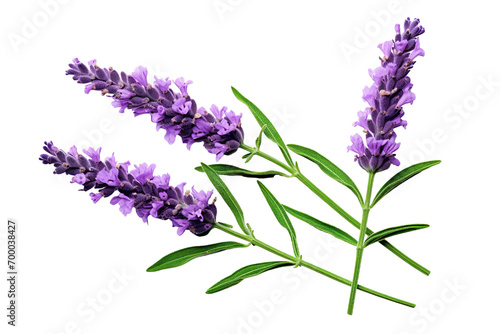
(150,195)
(386,96)
(176,112)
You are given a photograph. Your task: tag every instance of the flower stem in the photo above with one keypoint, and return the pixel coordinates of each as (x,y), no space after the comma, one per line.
(335,207)
(256,242)
(360,246)
(268,157)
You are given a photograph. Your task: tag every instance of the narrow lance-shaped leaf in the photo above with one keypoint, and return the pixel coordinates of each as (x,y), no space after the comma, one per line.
(270,131)
(183,256)
(322,226)
(280,214)
(258,141)
(401,177)
(328,167)
(246,272)
(392,231)
(223,169)
(227,196)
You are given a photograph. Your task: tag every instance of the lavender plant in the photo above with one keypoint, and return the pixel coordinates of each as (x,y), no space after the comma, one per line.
(152,196)
(391,89)
(221,133)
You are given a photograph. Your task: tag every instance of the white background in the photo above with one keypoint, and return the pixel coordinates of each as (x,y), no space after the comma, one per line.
(287,57)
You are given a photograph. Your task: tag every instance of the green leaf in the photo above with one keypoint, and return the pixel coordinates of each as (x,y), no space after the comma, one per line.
(246,272)
(223,169)
(182,256)
(392,231)
(227,196)
(328,167)
(270,131)
(401,177)
(322,226)
(258,141)
(280,214)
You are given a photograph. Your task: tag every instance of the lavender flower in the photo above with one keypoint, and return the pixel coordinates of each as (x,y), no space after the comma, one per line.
(177,113)
(150,195)
(387,95)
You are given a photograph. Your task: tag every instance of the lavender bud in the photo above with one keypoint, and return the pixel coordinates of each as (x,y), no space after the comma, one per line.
(72,161)
(101,74)
(60,170)
(82,68)
(114,76)
(83,162)
(126,186)
(107,191)
(84,79)
(99,85)
(61,156)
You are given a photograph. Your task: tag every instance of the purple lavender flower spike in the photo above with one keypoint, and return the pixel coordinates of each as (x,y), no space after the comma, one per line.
(138,189)
(175,112)
(391,89)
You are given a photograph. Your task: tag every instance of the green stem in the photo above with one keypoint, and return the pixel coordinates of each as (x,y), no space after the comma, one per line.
(335,207)
(319,270)
(268,157)
(361,240)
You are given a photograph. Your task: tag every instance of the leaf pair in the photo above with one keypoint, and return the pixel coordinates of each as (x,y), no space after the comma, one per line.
(344,236)
(275,205)
(330,169)
(280,214)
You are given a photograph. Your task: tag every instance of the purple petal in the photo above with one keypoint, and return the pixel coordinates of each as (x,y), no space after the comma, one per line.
(140,74)
(386,48)
(95,155)
(126,204)
(357,145)
(79,179)
(163,84)
(95,197)
(418,51)
(143,172)
(182,85)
